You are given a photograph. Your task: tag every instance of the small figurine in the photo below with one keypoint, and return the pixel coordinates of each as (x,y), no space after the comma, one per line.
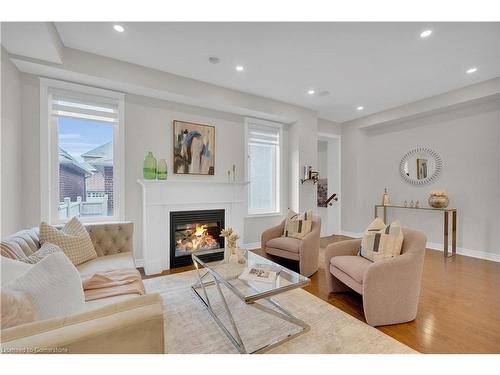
(405,204)
(417,204)
(385,199)
(412,204)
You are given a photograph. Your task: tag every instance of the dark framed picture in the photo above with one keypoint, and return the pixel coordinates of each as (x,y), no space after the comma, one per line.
(194,148)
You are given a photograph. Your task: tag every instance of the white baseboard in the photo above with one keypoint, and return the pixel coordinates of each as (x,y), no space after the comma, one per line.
(465,252)
(351,234)
(439,246)
(251,245)
(139,262)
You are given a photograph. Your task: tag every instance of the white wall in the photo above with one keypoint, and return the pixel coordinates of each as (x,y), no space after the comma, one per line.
(12,204)
(148,127)
(467,139)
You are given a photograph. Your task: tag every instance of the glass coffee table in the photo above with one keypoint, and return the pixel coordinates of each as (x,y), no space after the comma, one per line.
(226,273)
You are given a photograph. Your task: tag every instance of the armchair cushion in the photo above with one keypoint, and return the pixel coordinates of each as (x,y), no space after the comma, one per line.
(381,241)
(285,243)
(354,266)
(298,225)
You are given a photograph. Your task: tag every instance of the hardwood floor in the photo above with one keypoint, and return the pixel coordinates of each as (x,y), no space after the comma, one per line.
(459,310)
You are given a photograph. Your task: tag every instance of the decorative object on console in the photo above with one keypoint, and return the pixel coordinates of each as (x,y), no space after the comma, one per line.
(412,204)
(420,166)
(385,199)
(439,199)
(149,167)
(234,173)
(405,204)
(194,148)
(162,170)
(417,204)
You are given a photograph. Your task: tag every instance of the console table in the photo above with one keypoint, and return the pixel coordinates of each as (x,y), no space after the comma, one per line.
(446,213)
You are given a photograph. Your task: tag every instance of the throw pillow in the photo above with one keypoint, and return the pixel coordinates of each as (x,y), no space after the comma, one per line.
(12,269)
(55,286)
(16,308)
(381,241)
(298,225)
(45,250)
(73,239)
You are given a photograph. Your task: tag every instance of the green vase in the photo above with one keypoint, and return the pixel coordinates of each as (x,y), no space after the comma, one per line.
(162,171)
(149,168)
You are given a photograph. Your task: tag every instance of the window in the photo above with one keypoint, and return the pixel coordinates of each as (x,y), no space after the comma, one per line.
(264,142)
(81,153)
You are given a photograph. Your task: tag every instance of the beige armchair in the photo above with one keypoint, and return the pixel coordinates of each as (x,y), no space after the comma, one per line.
(305,251)
(390,287)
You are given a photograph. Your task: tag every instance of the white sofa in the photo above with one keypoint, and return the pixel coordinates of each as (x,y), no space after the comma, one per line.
(119,324)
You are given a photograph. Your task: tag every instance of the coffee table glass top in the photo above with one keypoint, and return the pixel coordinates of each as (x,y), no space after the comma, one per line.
(228,272)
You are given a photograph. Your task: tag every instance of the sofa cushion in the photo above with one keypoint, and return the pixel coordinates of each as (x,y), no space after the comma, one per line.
(352,265)
(107,263)
(17,308)
(20,244)
(73,239)
(285,243)
(11,269)
(54,284)
(44,251)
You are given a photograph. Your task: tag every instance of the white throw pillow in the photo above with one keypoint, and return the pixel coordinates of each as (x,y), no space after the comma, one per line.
(73,239)
(44,251)
(55,286)
(11,269)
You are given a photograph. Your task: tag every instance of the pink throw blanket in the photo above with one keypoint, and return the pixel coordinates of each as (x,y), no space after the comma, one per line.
(113,283)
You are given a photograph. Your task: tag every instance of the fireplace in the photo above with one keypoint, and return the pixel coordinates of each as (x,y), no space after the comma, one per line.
(193,231)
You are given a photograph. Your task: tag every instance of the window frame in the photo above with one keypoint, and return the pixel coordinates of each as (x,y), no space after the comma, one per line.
(49,160)
(279,176)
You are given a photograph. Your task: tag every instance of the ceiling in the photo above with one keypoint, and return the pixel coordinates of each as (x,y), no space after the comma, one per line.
(374,65)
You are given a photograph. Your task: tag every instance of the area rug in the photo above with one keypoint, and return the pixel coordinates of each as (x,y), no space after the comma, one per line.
(189,328)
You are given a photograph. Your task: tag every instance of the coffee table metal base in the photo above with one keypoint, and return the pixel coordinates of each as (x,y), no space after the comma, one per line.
(235,338)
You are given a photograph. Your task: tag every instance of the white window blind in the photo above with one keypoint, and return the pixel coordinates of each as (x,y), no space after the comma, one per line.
(83,106)
(263,168)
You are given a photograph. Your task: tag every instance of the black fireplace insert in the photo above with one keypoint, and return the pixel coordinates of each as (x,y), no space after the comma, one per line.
(193,231)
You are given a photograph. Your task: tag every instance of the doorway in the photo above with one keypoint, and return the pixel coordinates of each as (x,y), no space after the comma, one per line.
(329,174)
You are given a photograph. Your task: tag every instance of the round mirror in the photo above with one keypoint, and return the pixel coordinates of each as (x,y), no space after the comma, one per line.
(420,166)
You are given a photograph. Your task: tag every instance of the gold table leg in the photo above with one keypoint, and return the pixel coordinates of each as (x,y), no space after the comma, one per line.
(385,215)
(445,241)
(454,233)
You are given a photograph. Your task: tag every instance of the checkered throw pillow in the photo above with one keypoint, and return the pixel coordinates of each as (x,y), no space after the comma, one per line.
(381,241)
(73,239)
(298,225)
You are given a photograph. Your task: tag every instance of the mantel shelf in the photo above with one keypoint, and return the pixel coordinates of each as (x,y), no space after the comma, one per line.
(179,181)
(416,208)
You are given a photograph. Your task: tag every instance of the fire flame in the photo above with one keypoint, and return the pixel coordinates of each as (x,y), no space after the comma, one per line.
(200,230)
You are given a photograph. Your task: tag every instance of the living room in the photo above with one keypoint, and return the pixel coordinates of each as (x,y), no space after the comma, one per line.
(290,187)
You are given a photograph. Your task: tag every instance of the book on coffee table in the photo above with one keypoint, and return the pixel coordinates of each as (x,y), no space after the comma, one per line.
(263,273)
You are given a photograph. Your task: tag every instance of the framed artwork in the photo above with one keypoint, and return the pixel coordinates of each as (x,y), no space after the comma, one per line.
(421,169)
(322,194)
(194,148)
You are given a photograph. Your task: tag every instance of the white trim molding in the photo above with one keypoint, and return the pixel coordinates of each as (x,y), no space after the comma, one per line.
(466,252)
(49,173)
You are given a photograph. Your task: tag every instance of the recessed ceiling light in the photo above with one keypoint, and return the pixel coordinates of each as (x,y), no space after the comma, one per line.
(471,70)
(360,108)
(425,33)
(240,68)
(119,28)
(311,92)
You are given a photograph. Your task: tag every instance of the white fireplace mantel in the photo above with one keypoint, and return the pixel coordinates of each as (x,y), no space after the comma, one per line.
(159,198)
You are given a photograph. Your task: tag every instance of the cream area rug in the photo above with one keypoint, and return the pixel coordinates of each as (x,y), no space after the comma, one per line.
(189,328)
